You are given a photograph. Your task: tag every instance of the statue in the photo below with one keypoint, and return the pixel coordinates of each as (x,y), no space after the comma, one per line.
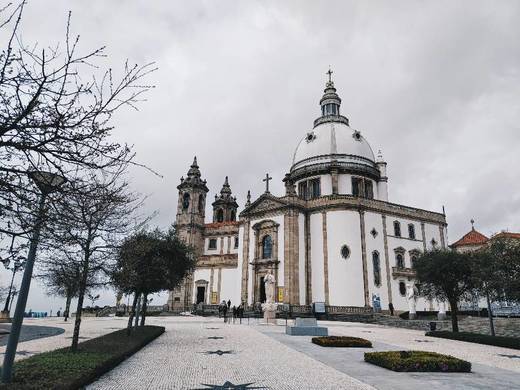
(269,283)
(442,310)
(412,295)
(269,307)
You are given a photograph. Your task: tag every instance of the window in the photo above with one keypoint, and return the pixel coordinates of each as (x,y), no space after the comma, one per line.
(357,183)
(413,259)
(399,260)
(220,215)
(397,229)
(377,268)
(315,188)
(185,201)
(302,189)
(309,189)
(236,242)
(345,251)
(402,288)
(267,247)
(201,203)
(212,243)
(411,231)
(233,215)
(369,189)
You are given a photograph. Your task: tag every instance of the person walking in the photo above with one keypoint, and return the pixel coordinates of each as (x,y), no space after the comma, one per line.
(224,312)
(234,310)
(391,308)
(229,304)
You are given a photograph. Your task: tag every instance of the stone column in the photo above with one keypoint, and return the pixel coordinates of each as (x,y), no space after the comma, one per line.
(245,261)
(219,284)
(364,256)
(291,258)
(423,232)
(211,280)
(387,261)
(308,267)
(325,257)
(443,242)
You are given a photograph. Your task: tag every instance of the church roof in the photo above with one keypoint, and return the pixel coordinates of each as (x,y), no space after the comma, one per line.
(507,235)
(472,238)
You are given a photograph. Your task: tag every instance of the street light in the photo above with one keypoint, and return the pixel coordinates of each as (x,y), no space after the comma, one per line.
(18,265)
(46,182)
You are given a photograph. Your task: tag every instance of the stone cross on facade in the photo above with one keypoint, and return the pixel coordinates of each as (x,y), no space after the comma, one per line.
(267,179)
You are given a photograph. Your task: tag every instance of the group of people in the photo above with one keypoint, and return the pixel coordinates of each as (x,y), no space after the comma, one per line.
(225,307)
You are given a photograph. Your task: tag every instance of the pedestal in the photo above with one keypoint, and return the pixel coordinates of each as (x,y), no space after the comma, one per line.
(412,316)
(4,316)
(269,312)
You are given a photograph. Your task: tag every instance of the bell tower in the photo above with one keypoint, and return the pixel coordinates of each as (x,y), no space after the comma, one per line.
(189,223)
(225,206)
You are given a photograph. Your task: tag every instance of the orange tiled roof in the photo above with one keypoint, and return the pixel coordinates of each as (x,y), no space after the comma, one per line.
(220,224)
(507,235)
(471,238)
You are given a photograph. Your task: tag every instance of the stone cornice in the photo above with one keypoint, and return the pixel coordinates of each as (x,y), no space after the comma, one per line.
(277,206)
(226,261)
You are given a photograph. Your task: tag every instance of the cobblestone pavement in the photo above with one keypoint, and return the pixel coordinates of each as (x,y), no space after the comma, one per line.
(184,358)
(415,339)
(90,327)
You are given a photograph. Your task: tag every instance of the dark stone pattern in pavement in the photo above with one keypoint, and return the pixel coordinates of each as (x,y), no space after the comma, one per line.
(30,332)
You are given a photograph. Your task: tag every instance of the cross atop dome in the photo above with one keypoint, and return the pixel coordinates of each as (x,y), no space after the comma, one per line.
(329,73)
(330,103)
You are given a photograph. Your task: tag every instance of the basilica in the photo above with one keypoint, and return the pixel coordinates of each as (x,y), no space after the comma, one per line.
(333,237)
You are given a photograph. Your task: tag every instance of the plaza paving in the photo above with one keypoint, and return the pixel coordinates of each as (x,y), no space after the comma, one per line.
(202,353)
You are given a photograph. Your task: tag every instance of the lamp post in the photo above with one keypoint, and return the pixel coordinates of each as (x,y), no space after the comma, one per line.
(46,182)
(18,264)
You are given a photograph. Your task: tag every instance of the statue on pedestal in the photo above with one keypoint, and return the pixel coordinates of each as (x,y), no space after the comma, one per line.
(269,307)
(412,294)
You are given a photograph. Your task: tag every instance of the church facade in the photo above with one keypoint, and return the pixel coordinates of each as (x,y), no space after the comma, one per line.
(333,237)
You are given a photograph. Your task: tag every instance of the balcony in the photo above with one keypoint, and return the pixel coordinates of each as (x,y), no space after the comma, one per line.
(403,272)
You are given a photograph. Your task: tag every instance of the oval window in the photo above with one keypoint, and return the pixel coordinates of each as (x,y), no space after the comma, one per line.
(345,252)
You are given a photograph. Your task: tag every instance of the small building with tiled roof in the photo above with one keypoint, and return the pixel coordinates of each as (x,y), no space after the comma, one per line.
(471,241)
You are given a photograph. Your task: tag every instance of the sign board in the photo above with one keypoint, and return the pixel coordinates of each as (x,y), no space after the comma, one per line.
(214,299)
(319,307)
(280,294)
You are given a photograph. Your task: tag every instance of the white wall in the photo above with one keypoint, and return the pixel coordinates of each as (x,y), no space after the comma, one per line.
(228,286)
(201,274)
(345,275)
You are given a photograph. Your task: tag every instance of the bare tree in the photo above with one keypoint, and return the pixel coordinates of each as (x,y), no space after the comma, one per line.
(56,106)
(93,216)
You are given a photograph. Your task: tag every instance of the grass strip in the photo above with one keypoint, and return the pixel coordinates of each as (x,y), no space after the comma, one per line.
(62,369)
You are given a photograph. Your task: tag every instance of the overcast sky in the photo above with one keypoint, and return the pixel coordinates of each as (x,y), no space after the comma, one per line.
(434,85)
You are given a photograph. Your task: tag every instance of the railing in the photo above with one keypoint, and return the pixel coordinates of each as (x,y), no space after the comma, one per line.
(348,310)
(404,272)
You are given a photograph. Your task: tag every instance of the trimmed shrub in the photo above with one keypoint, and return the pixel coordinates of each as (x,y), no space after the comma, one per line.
(62,369)
(341,341)
(417,361)
(498,341)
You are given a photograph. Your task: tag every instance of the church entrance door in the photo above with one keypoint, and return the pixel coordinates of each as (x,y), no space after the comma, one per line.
(201,292)
(262,290)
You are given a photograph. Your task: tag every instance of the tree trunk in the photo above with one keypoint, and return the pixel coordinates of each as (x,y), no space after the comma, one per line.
(67,307)
(143,312)
(454,313)
(490,315)
(138,311)
(81,293)
(131,315)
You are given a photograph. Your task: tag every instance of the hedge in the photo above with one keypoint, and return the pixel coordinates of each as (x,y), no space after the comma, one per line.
(62,369)
(498,341)
(341,341)
(417,361)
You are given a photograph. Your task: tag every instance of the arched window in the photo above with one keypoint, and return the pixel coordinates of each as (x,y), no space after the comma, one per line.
(413,259)
(411,231)
(399,260)
(397,229)
(377,268)
(201,203)
(402,288)
(185,201)
(267,247)
(220,215)
(233,215)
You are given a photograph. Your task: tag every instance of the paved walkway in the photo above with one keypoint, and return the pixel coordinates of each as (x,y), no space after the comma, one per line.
(204,353)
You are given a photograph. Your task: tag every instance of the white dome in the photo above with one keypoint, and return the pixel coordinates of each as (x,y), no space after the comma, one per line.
(330,141)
